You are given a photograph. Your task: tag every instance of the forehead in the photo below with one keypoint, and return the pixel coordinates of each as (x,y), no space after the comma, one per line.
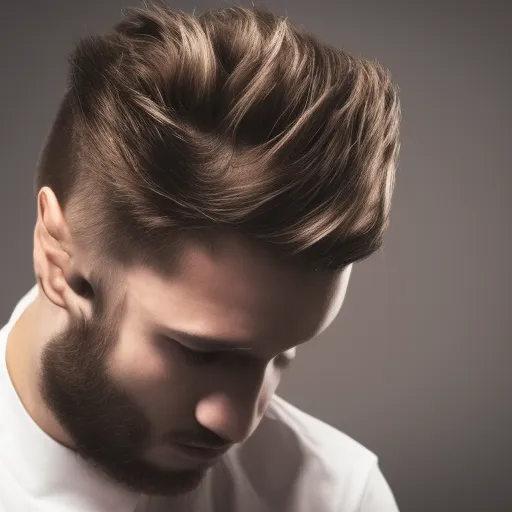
(233,291)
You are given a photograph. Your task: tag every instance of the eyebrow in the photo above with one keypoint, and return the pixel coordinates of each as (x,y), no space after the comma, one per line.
(203,342)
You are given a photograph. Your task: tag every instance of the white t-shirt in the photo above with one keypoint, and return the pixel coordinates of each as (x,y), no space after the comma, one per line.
(292,463)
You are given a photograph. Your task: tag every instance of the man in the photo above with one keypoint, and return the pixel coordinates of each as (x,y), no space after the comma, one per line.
(204,191)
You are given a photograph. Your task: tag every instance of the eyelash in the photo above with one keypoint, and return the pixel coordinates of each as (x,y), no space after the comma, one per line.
(201,356)
(212,357)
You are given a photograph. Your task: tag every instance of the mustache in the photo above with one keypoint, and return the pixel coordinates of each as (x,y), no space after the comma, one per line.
(204,438)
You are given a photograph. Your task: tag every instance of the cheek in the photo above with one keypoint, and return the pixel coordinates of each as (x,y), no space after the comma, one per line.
(137,360)
(158,383)
(133,362)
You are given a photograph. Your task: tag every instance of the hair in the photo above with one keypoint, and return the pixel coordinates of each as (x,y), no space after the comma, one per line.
(174,125)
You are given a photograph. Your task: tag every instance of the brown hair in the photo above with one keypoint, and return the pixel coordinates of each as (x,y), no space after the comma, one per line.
(235,120)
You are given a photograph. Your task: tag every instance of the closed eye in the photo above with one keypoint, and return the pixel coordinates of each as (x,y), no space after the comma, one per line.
(203,356)
(282,360)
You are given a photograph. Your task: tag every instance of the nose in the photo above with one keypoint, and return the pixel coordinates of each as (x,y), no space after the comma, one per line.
(234,414)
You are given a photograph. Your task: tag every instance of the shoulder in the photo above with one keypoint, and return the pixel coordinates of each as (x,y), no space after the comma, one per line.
(330,448)
(317,465)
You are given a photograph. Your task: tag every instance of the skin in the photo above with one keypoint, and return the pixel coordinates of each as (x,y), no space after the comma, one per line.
(121,390)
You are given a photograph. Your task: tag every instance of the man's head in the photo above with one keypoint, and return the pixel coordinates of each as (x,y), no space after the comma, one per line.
(210,177)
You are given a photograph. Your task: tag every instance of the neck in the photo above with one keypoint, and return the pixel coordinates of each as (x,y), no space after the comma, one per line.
(32,330)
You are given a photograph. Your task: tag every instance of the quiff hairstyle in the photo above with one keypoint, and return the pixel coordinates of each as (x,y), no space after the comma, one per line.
(236,121)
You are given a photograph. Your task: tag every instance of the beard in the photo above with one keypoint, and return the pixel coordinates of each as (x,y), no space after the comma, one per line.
(110,431)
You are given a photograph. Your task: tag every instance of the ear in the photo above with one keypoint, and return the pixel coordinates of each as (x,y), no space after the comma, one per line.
(56,258)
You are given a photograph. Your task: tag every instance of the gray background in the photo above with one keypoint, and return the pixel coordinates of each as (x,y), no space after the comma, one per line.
(415,367)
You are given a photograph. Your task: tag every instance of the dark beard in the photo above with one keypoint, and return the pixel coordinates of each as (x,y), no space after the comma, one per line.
(108,428)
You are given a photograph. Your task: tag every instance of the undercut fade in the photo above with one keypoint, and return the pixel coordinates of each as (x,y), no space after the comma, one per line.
(175,125)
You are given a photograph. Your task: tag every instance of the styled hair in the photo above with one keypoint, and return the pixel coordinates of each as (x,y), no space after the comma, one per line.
(175,125)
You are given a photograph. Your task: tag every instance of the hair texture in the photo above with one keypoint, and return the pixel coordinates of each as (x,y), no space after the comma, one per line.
(235,121)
